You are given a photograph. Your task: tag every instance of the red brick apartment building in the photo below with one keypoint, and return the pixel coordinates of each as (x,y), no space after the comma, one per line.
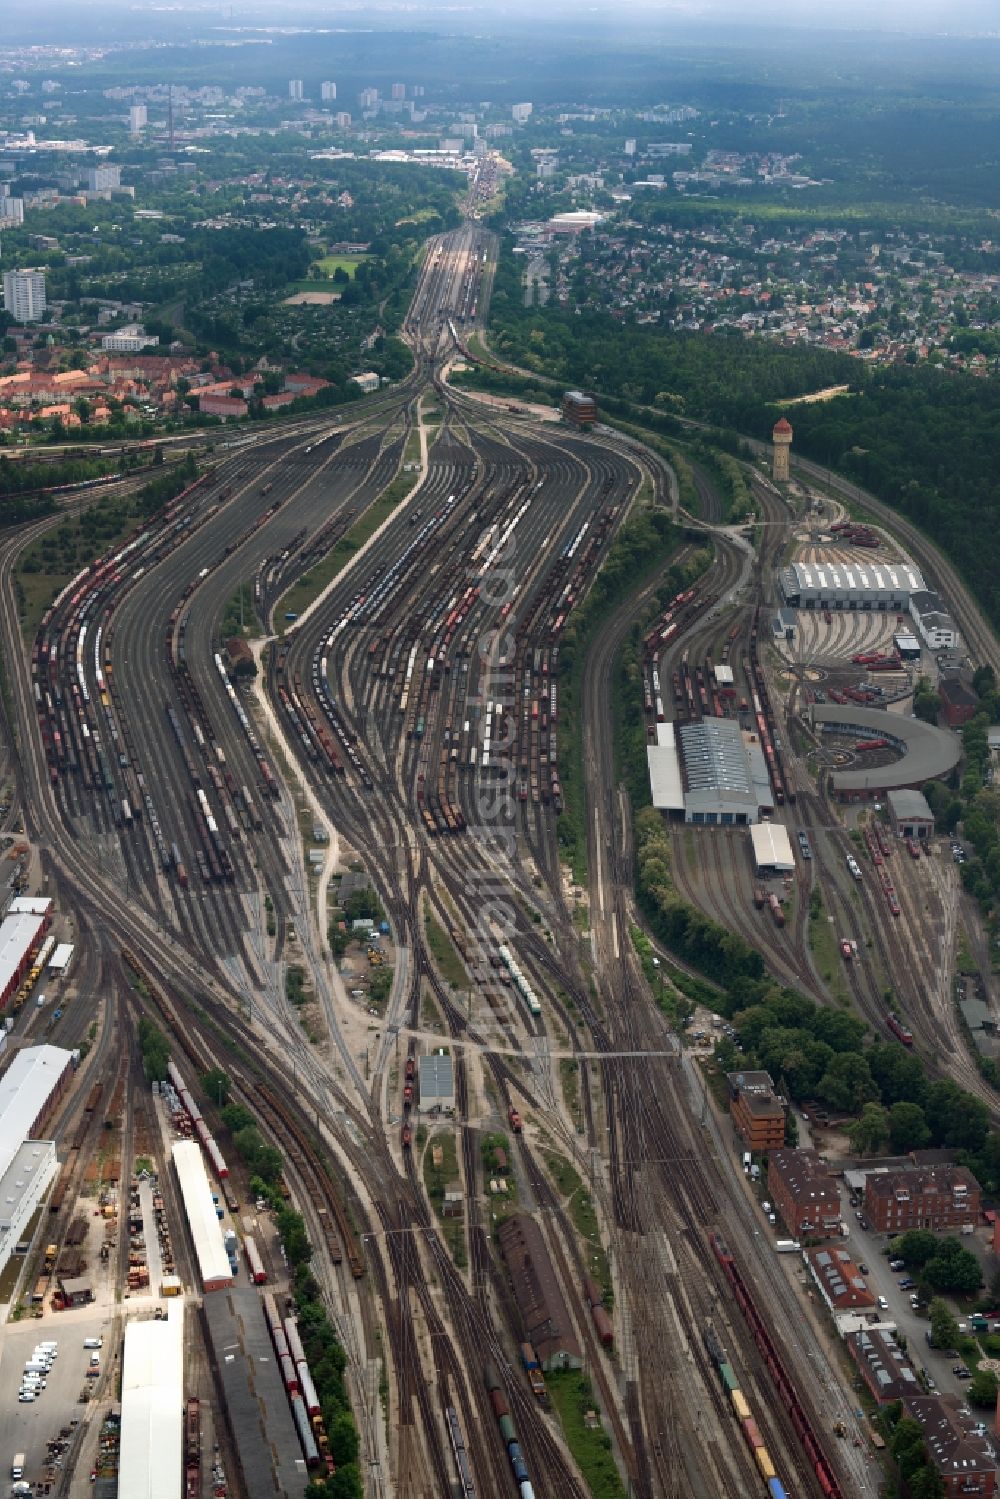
(758,1114)
(963,1459)
(961,1456)
(921,1197)
(804,1193)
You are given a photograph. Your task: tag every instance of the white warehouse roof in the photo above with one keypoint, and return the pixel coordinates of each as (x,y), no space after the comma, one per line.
(206,1230)
(25,1089)
(29,905)
(853,578)
(665,770)
(60,959)
(150,1464)
(17,933)
(771,846)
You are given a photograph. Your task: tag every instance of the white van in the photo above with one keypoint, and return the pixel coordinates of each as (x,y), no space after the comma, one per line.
(41,1001)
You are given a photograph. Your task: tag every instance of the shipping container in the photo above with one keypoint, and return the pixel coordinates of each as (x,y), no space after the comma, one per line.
(752,1433)
(764,1463)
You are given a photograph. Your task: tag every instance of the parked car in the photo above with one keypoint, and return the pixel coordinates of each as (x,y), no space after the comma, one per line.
(897,1264)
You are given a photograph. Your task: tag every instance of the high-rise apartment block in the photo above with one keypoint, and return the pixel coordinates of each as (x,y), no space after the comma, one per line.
(521,112)
(24,295)
(328,91)
(295,89)
(630,148)
(104,179)
(399,90)
(138,118)
(368,98)
(11,212)
(343,119)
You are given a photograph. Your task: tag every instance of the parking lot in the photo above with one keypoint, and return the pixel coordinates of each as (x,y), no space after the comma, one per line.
(869,1249)
(28,1428)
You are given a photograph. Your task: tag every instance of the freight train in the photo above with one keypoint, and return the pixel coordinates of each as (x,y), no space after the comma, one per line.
(501,1410)
(784,1385)
(741,1410)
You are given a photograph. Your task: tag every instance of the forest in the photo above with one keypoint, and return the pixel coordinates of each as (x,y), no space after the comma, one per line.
(928,443)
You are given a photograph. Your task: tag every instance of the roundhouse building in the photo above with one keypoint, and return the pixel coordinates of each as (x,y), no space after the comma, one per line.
(929,753)
(849,585)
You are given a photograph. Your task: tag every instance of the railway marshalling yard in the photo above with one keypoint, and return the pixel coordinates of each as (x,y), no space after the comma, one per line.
(408,713)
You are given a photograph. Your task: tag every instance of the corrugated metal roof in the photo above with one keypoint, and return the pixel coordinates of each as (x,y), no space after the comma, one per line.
(150,1464)
(437,1079)
(206,1230)
(715,757)
(25,1089)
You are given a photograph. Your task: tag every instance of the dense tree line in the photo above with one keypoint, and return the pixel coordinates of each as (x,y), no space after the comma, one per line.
(22,477)
(15,510)
(927,442)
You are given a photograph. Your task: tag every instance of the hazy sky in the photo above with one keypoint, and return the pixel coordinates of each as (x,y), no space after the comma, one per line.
(915,17)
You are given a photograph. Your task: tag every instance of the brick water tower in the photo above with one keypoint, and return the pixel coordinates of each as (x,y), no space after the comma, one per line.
(782,439)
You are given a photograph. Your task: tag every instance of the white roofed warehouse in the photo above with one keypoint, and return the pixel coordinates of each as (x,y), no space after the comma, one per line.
(772,851)
(151,1457)
(849,585)
(206,1230)
(24,1181)
(29,1090)
(20,938)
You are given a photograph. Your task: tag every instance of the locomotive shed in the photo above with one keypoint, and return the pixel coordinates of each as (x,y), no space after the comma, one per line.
(927,751)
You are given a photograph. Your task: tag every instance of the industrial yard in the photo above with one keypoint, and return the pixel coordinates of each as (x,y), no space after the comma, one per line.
(355,1128)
